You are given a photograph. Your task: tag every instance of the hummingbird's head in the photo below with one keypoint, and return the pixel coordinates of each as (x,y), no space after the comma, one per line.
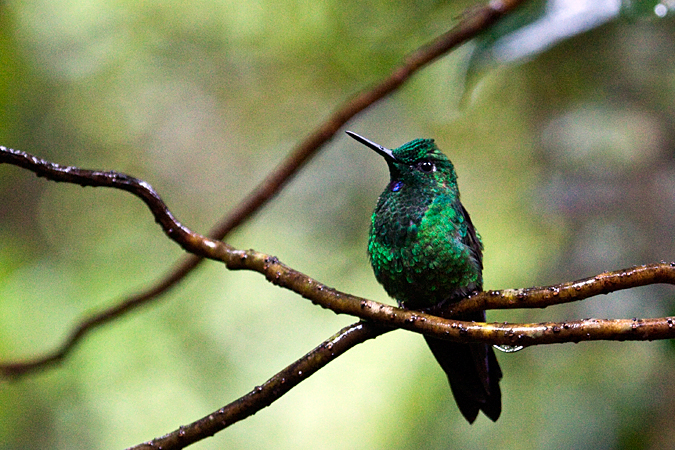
(418,162)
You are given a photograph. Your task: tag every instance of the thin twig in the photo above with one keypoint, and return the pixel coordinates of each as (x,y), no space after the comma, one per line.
(541,297)
(475,20)
(262,396)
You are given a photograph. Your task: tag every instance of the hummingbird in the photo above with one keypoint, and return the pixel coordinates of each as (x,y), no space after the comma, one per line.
(427,254)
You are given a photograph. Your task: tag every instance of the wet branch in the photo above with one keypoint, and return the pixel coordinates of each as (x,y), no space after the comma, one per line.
(474,21)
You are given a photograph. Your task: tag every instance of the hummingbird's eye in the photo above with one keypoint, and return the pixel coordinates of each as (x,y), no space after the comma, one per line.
(426,166)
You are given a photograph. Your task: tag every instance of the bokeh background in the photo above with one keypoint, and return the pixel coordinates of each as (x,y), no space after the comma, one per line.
(560,122)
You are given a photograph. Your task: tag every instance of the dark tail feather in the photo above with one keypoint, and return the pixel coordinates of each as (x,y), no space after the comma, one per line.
(473,373)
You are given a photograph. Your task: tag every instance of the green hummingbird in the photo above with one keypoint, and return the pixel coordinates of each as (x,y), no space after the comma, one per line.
(426,253)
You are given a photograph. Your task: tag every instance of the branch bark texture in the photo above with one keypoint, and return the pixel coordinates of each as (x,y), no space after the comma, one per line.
(284,276)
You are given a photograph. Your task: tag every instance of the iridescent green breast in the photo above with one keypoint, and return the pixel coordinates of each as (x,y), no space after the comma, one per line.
(424,251)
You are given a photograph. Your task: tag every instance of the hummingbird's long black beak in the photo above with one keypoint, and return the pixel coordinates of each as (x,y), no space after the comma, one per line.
(370,144)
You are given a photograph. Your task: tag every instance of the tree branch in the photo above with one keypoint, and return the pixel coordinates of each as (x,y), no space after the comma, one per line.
(262,396)
(475,20)
(541,297)
(274,388)
(348,337)
(281,275)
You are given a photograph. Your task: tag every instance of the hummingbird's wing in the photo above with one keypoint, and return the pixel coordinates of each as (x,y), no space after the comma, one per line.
(472,240)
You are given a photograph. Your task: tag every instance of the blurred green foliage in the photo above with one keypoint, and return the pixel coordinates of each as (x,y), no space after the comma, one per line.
(565,158)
